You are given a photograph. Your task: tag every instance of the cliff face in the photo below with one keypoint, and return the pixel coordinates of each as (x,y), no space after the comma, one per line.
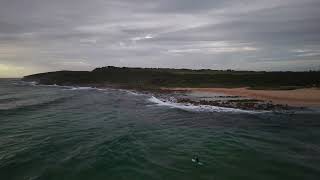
(151,77)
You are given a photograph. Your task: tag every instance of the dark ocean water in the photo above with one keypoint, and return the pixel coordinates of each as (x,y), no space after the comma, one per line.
(71,133)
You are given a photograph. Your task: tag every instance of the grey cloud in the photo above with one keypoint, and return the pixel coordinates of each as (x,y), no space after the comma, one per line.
(78,34)
(189,6)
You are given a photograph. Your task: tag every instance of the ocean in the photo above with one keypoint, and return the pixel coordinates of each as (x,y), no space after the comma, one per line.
(72,133)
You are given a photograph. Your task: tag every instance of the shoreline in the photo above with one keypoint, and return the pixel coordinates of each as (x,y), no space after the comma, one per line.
(276,100)
(309,97)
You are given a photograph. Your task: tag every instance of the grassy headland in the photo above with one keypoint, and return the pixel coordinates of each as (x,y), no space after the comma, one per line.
(153,78)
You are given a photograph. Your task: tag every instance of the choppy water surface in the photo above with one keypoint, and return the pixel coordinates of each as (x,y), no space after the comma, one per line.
(49,132)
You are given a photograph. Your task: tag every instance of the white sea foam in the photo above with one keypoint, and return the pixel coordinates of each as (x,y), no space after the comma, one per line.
(191,107)
(134,93)
(24,83)
(82,88)
(131,92)
(54,85)
(75,88)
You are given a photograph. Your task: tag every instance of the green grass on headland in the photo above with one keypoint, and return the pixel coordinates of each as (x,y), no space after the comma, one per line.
(146,78)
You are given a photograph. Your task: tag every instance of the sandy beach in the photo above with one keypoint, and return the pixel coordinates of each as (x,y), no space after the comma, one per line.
(299,97)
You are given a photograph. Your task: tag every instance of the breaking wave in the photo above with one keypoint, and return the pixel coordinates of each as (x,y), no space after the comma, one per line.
(131,92)
(26,83)
(72,88)
(82,88)
(197,108)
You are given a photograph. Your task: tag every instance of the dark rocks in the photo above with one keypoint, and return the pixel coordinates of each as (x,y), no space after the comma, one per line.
(245,104)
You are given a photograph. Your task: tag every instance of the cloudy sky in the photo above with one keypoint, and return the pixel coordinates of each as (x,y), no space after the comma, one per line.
(48,35)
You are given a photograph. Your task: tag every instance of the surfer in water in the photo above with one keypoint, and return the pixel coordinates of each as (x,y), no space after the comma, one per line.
(196,160)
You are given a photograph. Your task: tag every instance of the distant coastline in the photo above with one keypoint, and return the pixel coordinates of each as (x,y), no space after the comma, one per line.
(263,90)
